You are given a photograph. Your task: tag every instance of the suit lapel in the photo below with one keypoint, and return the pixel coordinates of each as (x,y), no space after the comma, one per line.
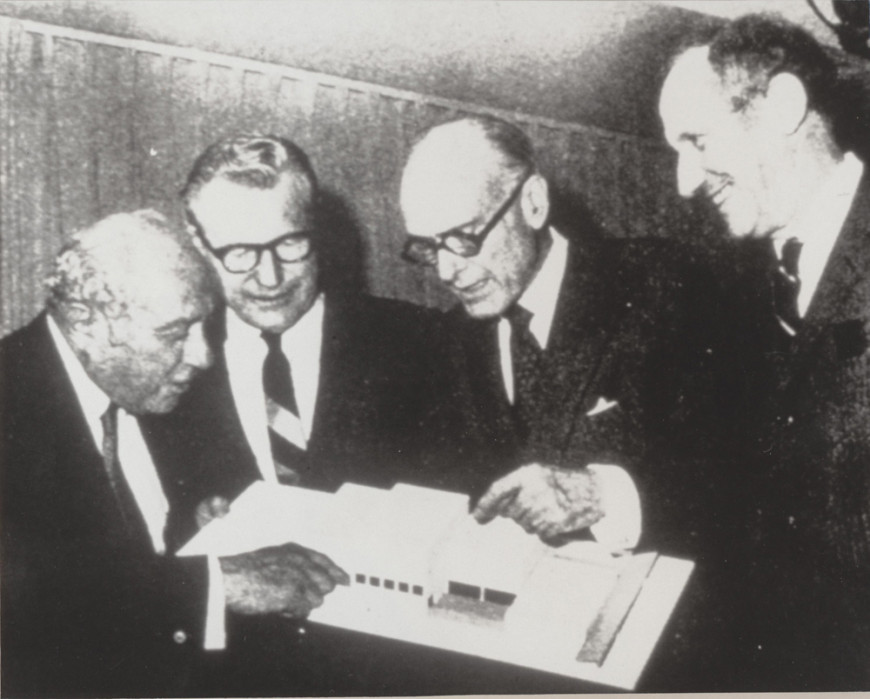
(336,340)
(840,310)
(78,462)
(578,353)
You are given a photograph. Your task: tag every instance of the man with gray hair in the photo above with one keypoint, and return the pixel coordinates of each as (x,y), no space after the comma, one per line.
(94,602)
(566,342)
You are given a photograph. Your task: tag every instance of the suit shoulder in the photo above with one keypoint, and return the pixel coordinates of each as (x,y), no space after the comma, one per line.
(393,315)
(24,339)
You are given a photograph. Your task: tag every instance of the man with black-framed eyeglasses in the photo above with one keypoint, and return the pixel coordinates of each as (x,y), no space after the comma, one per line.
(313,383)
(583,374)
(477,210)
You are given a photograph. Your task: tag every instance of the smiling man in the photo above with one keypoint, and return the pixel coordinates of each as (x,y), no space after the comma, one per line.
(761,126)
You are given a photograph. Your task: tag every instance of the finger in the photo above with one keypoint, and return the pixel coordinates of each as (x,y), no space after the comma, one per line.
(319,579)
(500,494)
(220,507)
(337,574)
(313,599)
(529,522)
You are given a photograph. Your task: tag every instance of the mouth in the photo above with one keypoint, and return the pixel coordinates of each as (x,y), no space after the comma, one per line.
(470,290)
(272,300)
(719,195)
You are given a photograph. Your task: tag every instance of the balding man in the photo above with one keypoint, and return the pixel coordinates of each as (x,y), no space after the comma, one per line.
(93,601)
(563,340)
(760,124)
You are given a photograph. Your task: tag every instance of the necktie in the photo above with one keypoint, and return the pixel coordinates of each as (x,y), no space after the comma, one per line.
(526,357)
(277,380)
(786,284)
(130,512)
(280,396)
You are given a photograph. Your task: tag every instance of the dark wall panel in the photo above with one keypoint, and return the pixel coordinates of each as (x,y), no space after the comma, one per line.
(94,124)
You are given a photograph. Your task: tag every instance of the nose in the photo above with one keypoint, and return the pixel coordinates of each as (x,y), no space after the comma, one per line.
(690,173)
(269,272)
(197,352)
(449,265)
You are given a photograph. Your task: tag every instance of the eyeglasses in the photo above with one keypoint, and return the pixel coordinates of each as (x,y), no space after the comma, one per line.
(423,250)
(242,258)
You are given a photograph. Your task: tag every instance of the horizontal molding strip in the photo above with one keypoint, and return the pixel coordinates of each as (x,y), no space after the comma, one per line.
(250,65)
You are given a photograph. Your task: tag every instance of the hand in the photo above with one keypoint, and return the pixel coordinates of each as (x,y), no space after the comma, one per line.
(211,508)
(289,579)
(545,500)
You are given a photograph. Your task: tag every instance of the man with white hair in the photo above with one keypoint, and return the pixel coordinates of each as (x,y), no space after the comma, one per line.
(94,603)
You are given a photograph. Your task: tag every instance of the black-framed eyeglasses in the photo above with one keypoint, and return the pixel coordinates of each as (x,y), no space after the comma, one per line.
(241,258)
(423,250)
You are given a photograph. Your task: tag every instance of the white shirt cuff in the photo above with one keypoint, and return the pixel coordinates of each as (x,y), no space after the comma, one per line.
(215,619)
(620,528)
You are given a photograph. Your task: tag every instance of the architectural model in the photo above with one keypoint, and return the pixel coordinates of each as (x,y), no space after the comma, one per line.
(423,570)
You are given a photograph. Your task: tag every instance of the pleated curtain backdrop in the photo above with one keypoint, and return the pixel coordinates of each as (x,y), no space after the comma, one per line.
(94,124)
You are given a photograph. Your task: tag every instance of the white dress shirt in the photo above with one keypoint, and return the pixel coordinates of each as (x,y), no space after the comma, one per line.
(133,455)
(620,528)
(245,352)
(140,473)
(817,226)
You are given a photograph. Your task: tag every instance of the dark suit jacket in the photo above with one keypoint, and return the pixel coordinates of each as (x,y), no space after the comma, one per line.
(811,547)
(377,421)
(87,610)
(630,326)
(375,414)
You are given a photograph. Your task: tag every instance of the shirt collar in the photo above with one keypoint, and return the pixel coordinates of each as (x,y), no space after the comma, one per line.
(242,334)
(542,294)
(818,225)
(93,401)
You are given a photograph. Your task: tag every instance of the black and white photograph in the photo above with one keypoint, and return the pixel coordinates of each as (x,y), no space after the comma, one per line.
(434,347)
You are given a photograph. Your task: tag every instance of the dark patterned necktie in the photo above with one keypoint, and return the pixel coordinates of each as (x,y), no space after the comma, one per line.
(278,387)
(786,284)
(277,380)
(526,356)
(130,512)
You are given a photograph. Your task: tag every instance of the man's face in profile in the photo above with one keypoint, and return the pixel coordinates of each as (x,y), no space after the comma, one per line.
(146,358)
(243,226)
(725,152)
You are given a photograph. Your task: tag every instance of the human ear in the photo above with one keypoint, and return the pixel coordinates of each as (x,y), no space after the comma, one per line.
(535,201)
(84,324)
(785,106)
(197,241)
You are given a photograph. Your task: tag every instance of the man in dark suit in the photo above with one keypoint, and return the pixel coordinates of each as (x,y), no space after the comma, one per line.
(311,386)
(94,603)
(564,340)
(757,122)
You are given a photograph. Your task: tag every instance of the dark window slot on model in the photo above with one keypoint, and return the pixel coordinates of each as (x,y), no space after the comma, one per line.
(418,589)
(463,590)
(403,587)
(389,584)
(360,578)
(375,581)
(499,597)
